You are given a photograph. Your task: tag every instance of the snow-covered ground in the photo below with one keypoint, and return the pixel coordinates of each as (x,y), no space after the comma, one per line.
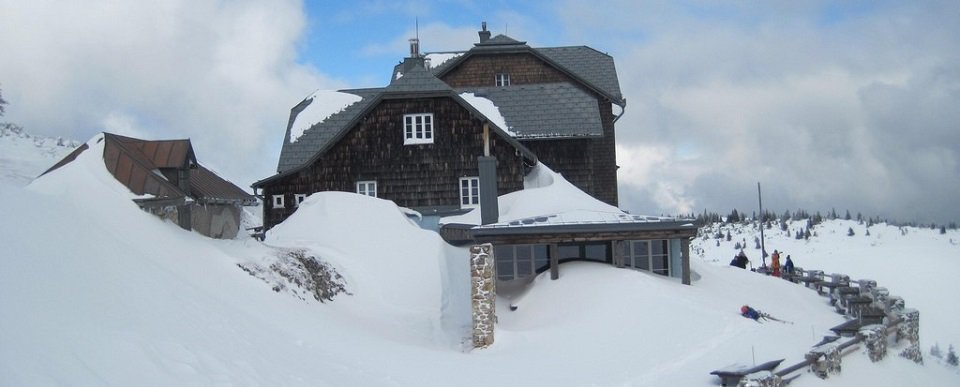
(94,291)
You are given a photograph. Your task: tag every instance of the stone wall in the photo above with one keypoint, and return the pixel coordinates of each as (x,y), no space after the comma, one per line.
(483,293)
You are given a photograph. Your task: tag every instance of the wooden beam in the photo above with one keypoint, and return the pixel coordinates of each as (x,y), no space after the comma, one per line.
(486,139)
(685,260)
(554,261)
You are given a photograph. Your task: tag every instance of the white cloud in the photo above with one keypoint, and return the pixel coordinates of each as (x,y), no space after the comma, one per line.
(223,74)
(826,109)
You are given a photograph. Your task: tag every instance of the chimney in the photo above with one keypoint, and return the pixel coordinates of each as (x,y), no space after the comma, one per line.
(484,34)
(415,48)
(489,208)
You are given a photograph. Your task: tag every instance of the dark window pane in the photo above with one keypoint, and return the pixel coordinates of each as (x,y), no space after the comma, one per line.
(567,252)
(640,248)
(596,252)
(541,257)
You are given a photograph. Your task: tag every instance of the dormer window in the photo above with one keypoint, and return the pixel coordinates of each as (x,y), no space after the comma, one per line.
(503,79)
(418,128)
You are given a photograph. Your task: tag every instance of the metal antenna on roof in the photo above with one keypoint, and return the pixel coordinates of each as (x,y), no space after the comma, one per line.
(416,20)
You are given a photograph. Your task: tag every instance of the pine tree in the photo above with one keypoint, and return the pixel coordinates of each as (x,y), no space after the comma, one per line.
(806,234)
(847,216)
(935,351)
(943,230)
(952,357)
(733,217)
(868,232)
(850,231)
(2,102)
(728,235)
(737,246)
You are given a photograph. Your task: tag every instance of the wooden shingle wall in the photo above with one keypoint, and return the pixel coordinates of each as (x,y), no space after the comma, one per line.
(410,175)
(589,163)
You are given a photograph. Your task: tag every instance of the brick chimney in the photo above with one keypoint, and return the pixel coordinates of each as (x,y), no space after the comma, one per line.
(414,47)
(484,34)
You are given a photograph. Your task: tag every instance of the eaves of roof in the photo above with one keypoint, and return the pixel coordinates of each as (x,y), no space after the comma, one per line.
(681,226)
(612,95)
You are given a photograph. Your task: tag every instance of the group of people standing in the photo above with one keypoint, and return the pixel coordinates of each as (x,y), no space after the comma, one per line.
(740,260)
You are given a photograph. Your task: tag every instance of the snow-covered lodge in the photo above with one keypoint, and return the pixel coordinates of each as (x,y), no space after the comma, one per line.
(453,132)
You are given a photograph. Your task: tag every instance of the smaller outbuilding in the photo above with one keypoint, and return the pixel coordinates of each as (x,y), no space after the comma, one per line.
(551,221)
(171,183)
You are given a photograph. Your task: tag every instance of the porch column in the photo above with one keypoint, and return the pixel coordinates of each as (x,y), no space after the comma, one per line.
(554,261)
(484,293)
(685,251)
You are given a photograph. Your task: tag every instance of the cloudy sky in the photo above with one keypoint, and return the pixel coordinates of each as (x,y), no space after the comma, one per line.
(847,105)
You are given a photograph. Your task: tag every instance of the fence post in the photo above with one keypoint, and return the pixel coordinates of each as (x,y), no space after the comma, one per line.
(874,336)
(909,329)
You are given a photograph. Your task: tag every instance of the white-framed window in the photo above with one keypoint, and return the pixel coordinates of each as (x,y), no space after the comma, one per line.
(278,201)
(503,79)
(299,198)
(368,188)
(469,192)
(652,255)
(418,128)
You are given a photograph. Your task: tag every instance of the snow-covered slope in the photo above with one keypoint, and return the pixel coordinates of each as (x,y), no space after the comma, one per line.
(94,291)
(24,157)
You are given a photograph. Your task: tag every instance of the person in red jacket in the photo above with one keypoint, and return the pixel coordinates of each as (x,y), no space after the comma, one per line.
(775,263)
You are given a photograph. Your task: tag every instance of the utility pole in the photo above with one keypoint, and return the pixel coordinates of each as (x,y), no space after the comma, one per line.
(763,248)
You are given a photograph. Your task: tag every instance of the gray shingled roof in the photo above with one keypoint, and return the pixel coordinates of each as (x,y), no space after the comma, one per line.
(500,39)
(591,65)
(295,154)
(553,110)
(319,137)
(417,79)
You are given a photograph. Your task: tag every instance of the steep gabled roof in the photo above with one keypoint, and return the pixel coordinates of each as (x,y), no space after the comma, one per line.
(543,111)
(591,65)
(298,152)
(139,165)
(208,187)
(317,140)
(593,68)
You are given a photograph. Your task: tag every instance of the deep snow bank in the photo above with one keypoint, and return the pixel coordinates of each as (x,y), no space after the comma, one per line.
(393,268)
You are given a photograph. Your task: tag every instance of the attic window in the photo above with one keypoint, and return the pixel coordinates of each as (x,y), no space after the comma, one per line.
(503,79)
(278,201)
(418,129)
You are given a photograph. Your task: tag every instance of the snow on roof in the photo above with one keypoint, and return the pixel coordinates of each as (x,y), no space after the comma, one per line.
(324,104)
(488,109)
(437,59)
(549,199)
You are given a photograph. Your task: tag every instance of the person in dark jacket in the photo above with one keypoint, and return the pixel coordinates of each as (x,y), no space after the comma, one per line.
(740,260)
(750,313)
(788,266)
